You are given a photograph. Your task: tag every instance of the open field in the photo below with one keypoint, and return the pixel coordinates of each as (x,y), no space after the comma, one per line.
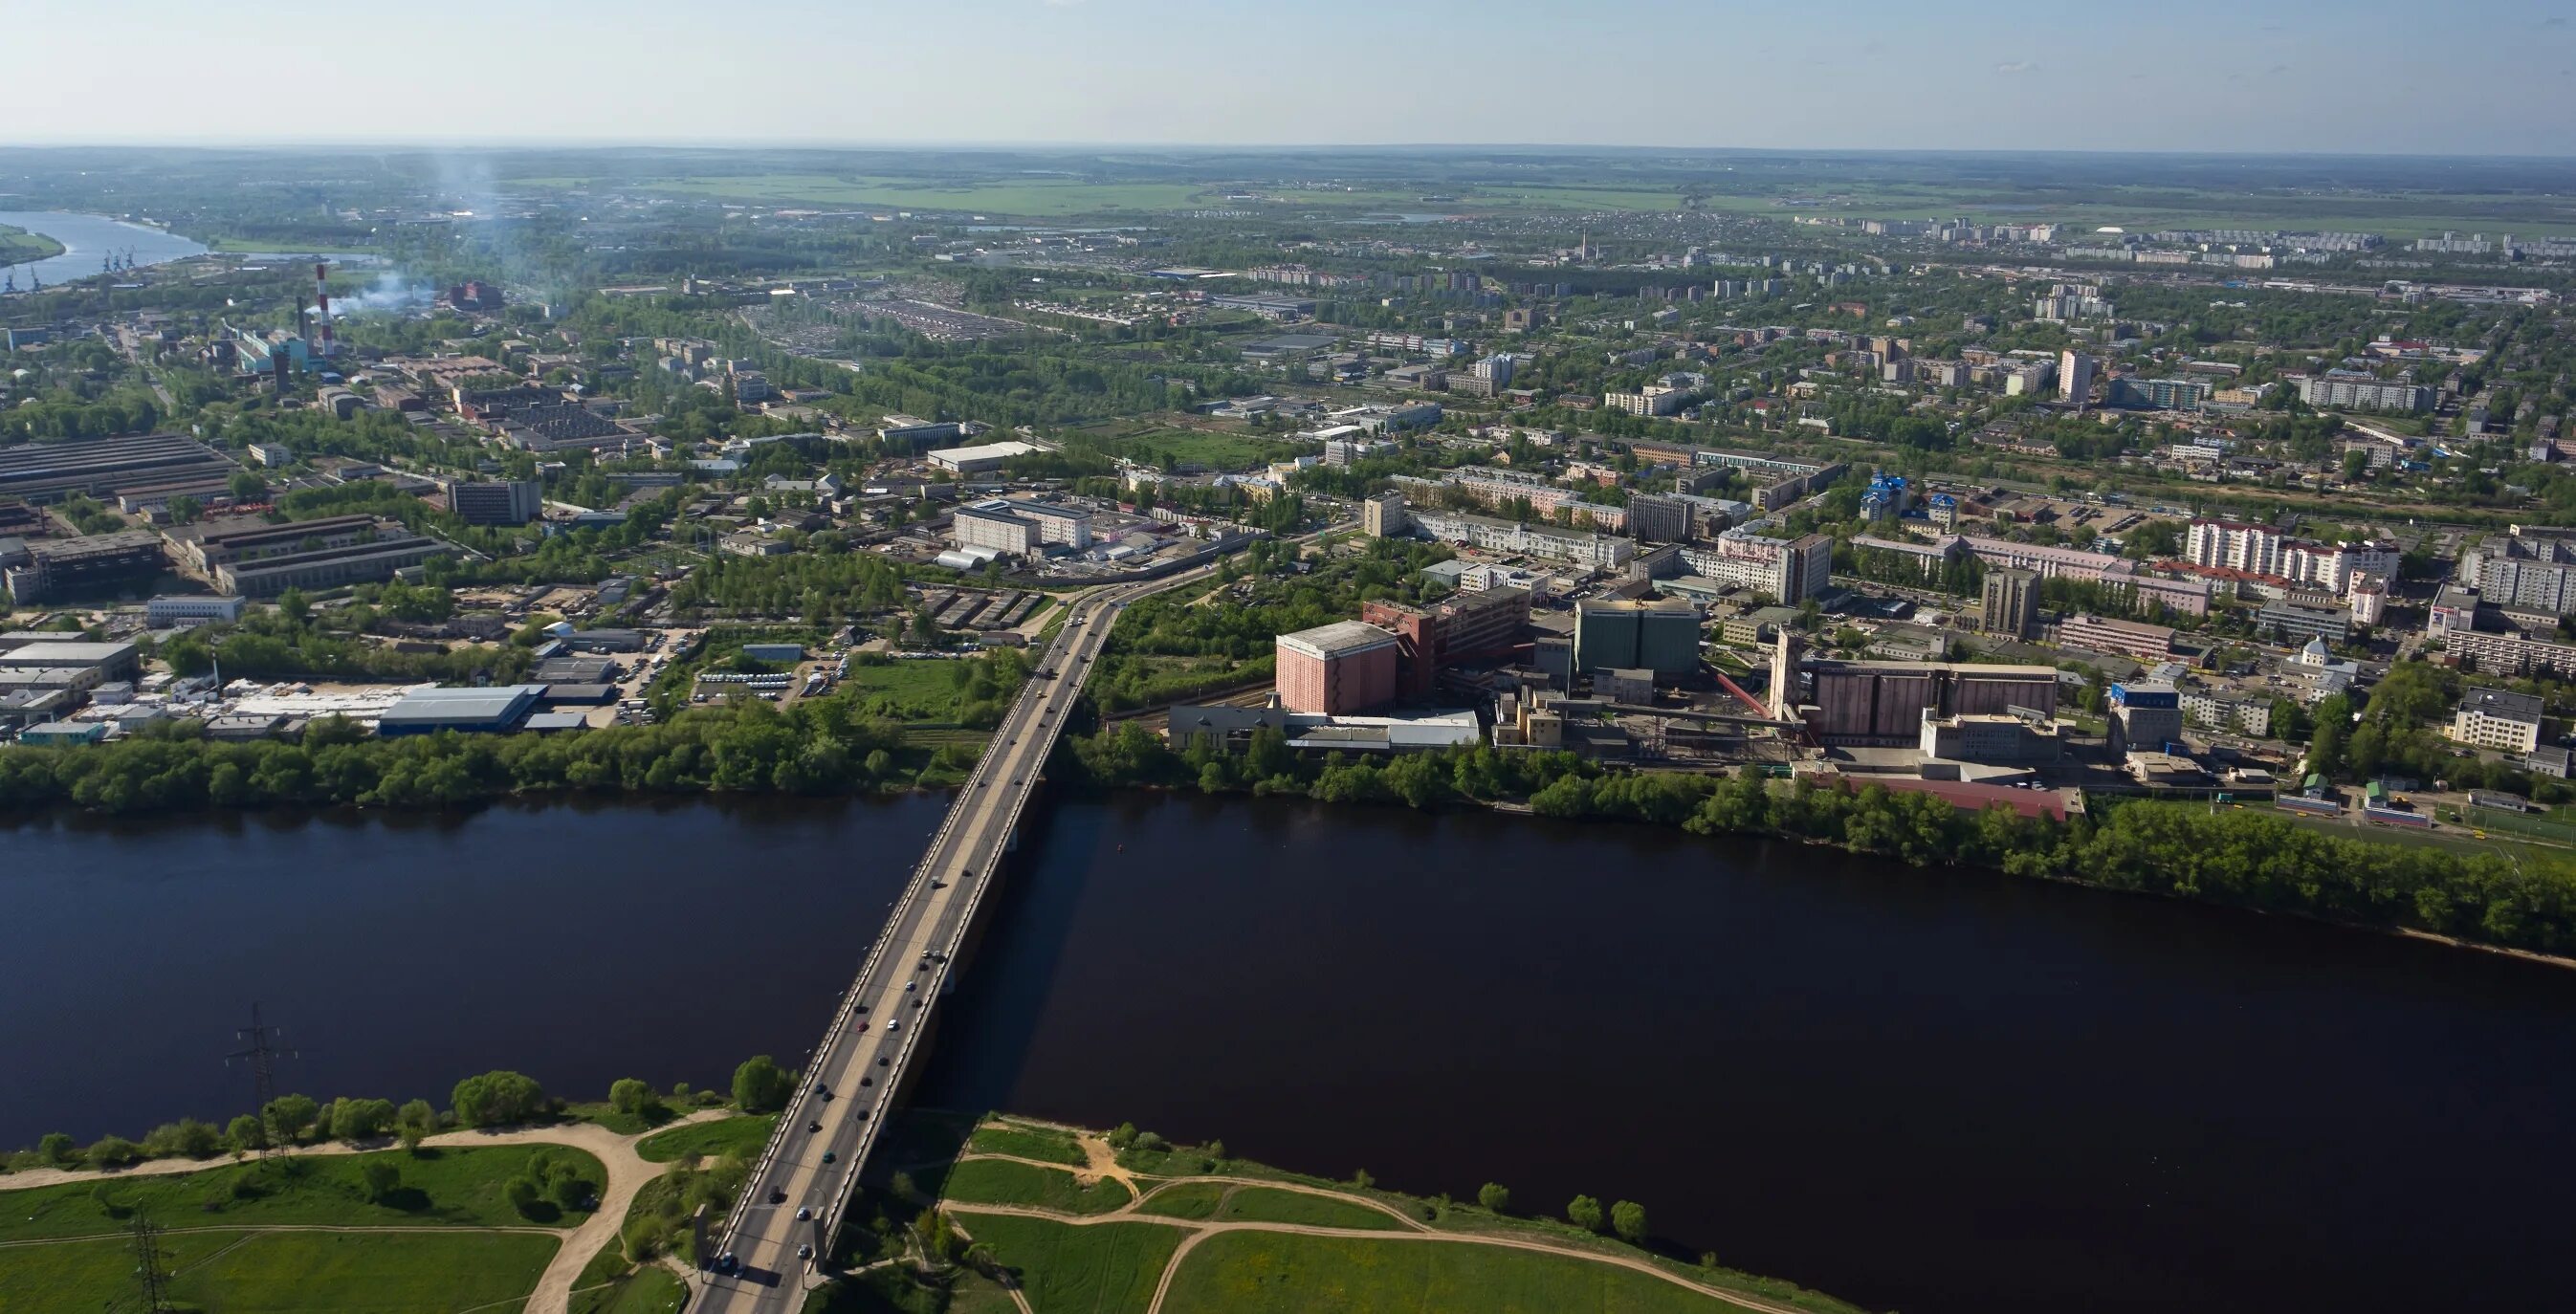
(1167,446)
(18,246)
(1044,199)
(1003,1181)
(452,1187)
(1255,1204)
(1026,1143)
(1106,1268)
(1256,1272)
(910,690)
(741,1135)
(286,1272)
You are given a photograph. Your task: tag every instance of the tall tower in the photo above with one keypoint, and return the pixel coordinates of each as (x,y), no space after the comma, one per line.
(322,300)
(1784,675)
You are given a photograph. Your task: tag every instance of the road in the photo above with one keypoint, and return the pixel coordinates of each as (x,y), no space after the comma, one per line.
(831,1123)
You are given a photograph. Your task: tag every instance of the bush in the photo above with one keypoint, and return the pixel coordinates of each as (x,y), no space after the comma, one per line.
(1495,1196)
(1585,1213)
(380,1177)
(497,1099)
(1628,1219)
(630,1096)
(185,1139)
(113,1152)
(761,1086)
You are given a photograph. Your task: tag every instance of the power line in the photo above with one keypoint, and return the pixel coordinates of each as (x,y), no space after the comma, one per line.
(151,1270)
(261,1055)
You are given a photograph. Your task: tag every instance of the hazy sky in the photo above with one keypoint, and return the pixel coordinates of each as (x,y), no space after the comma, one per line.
(2464,76)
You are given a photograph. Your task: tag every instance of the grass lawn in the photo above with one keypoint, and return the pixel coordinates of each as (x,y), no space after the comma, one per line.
(1262,1204)
(1000,1181)
(1187,1200)
(1028,1143)
(923,690)
(1106,1268)
(1217,451)
(455,1187)
(624,1124)
(1255,1272)
(652,1289)
(286,1272)
(738,1135)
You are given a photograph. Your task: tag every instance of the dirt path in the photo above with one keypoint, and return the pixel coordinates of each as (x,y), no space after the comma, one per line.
(627,1172)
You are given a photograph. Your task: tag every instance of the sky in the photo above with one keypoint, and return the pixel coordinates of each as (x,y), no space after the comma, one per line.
(2483,77)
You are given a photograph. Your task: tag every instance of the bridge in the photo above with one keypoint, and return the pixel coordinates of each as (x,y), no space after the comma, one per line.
(764,1258)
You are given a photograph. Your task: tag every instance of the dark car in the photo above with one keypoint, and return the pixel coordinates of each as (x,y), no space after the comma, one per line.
(804,1213)
(726,1263)
(828,1156)
(814,1126)
(805,1251)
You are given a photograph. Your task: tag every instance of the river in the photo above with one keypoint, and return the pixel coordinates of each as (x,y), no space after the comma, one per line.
(1931,1091)
(88,239)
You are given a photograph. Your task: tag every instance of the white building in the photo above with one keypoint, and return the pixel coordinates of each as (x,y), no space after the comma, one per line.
(982,459)
(2492,718)
(170,609)
(1020,528)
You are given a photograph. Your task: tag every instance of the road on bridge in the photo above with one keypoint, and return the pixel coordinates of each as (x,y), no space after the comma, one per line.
(792,1204)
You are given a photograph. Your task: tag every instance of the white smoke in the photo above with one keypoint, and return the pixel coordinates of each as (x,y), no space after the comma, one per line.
(393,292)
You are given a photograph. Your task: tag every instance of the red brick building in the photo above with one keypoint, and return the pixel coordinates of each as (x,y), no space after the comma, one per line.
(1464,628)
(1341,669)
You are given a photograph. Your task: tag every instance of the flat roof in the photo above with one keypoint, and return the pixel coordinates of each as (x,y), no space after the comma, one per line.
(499,702)
(1339,639)
(985,451)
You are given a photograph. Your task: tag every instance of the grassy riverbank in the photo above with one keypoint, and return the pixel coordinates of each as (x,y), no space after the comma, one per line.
(1074,1219)
(18,246)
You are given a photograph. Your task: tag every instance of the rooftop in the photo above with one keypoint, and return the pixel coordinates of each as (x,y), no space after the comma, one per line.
(1339,639)
(2503,706)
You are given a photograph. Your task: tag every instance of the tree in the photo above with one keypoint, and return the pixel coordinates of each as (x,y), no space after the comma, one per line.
(414,1122)
(497,1098)
(1584,1212)
(629,1096)
(184,510)
(761,1086)
(522,1193)
(293,605)
(247,1132)
(288,1116)
(113,1152)
(55,1149)
(359,1120)
(184,1139)
(1495,1197)
(380,1176)
(1628,1219)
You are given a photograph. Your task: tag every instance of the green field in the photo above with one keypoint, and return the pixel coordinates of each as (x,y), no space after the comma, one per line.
(1187,1200)
(248,246)
(1038,199)
(1266,1205)
(1027,1143)
(1002,1181)
(17,246)
(743,1136)
(648,1290)
(1261,1272)
(922,690)
(286,1272)
(1101,1268)
(457,1187)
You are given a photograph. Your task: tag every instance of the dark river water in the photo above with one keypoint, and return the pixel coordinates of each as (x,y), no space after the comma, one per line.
(1929,1091)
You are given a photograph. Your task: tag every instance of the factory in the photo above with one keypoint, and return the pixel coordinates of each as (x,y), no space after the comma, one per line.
(1340,669)
(496,710)
(100,563)
(260,560)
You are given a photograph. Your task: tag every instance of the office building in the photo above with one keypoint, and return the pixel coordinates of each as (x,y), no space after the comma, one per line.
(496,501)
(2147,643)
(2493,718)
(2010,604)
(2074,377)
(1789,570)
(2292,620)
(1661,635)
(2145,716)
(184,609)
(2241,713)
(1573,546)
(1019,528)
(1659,518)
(1383,516)
(1338,669)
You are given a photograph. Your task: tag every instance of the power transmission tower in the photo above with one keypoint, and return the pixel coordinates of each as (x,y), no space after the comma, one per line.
(261,1055)
(151,1270)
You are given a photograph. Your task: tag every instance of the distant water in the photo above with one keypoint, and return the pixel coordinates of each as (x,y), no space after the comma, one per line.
(89,239)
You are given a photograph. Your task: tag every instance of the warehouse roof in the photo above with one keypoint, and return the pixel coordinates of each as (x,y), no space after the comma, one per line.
(426,709)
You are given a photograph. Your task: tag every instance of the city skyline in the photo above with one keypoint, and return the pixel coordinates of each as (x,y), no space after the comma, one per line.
(2272,77)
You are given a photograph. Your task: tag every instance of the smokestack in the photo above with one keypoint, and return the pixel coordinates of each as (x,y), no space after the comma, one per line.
(303,319)
(322,299)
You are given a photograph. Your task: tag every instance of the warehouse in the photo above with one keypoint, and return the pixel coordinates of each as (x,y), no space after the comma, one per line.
(495,710)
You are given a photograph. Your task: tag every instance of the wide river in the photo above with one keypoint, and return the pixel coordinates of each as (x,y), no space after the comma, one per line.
(1934,1091)
(89,239)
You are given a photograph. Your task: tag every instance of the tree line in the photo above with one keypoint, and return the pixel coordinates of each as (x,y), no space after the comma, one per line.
(2241,858)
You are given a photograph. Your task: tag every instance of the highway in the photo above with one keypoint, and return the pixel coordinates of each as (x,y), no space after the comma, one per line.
(812,1162)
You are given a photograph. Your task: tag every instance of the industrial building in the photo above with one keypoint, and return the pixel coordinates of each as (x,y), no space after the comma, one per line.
(1463,628)
(1232,728)
(981,460)
(1989,738)
(1019,528)
(104,467)
(100,563)
(472,711)
(260,560)
(1884,703)
(20,651)
(1661,635)
(1339,669)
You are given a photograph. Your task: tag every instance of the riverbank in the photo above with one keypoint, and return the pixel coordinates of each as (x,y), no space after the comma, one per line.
(2236,858)
(19,246)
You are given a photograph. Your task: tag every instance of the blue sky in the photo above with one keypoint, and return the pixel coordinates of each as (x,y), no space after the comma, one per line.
(2487,77)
